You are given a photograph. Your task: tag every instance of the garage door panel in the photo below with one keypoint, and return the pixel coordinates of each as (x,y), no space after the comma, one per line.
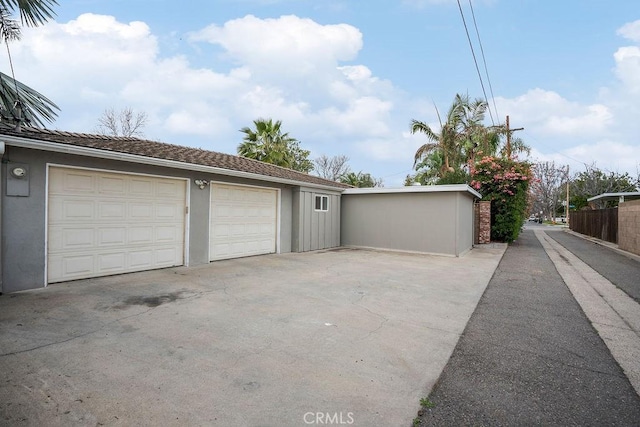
(112,210)
(141,259)
(168,211)
(76,210)
(110,263)
(76,182)
(168,189)
(77,265)
(243,221)
(140,235)
(141,187)
(112,236)
(112,185)
(112,229)
(78,238)
(141,211)
(166,256)
(168,234)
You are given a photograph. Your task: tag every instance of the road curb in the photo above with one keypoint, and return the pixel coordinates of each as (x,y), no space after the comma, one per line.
(600,242)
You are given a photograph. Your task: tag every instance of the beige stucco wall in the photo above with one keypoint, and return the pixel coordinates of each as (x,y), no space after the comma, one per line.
(433,222)
(629,226)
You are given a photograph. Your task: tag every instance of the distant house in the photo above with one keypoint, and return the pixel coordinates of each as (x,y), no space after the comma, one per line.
(78,206)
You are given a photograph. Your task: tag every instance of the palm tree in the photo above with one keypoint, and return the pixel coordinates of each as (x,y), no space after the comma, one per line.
(360,180)
(446,142)
(476,137)
(19,102)
(268,144)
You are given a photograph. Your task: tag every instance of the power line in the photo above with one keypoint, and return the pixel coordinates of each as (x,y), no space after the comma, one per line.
(484,60)
(473,53)
(585,164)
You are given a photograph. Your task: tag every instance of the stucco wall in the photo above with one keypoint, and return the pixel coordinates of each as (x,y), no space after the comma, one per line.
(24,223)
(465,216)
(314,230)
(430,222)
(629,226)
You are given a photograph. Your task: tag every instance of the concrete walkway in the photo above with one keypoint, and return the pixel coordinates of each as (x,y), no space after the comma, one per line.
(530,355)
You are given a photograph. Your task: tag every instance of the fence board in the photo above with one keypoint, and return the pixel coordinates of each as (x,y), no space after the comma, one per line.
(600,223)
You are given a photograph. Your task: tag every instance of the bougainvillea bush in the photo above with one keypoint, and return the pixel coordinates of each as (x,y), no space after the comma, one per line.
(505,182)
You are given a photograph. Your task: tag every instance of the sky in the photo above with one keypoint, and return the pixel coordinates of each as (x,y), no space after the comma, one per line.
(346,77)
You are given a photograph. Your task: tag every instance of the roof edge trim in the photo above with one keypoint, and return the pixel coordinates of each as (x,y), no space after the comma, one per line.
(37,144)
(414,189)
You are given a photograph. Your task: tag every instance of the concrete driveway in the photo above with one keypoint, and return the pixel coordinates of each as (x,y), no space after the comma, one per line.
(349,337)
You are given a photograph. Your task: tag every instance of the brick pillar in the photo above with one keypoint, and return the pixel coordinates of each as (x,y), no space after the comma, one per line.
(484,221)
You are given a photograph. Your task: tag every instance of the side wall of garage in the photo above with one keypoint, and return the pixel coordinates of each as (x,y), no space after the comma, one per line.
(428,222)
(24,224)
(315,229)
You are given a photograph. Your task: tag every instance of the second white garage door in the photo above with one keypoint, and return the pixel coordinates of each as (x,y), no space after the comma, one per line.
(243,221)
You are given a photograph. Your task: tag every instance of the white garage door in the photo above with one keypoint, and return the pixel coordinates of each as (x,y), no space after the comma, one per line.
(243,221)
(102,223)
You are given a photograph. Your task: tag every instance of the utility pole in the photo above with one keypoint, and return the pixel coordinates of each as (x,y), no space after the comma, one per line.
(509,132)
(566,214)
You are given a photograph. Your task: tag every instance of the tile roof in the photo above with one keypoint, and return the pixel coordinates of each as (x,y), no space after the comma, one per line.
(160,150)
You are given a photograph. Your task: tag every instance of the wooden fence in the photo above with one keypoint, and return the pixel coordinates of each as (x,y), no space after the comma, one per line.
(600,223)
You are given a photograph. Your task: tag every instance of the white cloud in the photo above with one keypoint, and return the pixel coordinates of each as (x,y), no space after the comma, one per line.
(608,155)
(95,62)
(630,31)
(289,46)
(628,67)
(551,114)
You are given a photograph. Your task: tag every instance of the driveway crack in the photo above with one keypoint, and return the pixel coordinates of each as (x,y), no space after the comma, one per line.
(27,350)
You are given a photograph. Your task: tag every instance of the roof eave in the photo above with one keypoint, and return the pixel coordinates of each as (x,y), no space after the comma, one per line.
(614,196)
(415,189)
(58,147)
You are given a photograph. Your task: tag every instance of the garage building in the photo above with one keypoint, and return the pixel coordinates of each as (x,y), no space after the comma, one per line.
(77,206)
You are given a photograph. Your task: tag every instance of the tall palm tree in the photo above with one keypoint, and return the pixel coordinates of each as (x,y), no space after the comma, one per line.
(19,102)
(476,137)
(446,142)
(268,144)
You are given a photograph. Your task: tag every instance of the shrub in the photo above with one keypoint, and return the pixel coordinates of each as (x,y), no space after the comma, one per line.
(505,182)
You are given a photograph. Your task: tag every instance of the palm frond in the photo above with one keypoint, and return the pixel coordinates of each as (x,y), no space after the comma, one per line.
(9,28)
(36,108)
(32,12)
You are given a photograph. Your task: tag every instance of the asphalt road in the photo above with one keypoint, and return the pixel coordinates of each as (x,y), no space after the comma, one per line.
(530,356)
(620,270)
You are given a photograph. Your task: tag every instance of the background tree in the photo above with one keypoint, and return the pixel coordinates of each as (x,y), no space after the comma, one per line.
(592,182)
(267,143)
(331,168)
(549,187)
(18,102)
(361,180)
(125,123)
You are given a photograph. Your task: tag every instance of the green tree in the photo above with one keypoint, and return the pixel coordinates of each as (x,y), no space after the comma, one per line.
(593,182)
(449,154)
(360,180)
(445,142)
(19,102)
(267,143)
